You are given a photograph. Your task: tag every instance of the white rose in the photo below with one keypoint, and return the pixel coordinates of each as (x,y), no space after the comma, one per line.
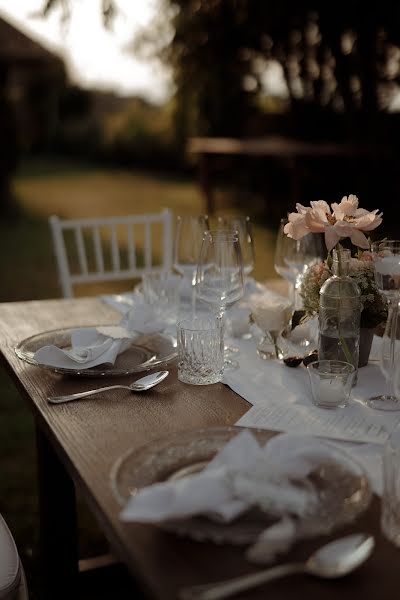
(272,314)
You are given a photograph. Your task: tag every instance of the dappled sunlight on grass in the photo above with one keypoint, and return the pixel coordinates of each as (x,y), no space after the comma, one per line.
(115,192)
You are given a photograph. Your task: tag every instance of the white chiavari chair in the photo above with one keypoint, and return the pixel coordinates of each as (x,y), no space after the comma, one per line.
(111,248)
(12,577)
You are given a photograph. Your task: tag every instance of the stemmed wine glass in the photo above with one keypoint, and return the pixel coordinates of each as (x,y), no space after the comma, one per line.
(242,225)
(386,257)
(188,239)
(294,257)
(219,277)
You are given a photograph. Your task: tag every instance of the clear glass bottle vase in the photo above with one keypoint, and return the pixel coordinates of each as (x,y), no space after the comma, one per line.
(339,313)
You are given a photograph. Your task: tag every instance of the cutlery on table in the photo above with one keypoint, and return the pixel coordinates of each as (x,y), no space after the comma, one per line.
(140,385)
(333,560)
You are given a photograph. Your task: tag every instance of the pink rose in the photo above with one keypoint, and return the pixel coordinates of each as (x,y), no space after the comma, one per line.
(319,268)
(366,256)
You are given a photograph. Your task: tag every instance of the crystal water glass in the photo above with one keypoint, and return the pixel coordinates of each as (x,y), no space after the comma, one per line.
(200,350)
(386,257)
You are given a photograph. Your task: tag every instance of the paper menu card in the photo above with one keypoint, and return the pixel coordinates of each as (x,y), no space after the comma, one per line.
(331,424)
(281,399)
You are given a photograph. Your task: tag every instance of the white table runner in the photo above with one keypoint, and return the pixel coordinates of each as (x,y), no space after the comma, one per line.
(281,400)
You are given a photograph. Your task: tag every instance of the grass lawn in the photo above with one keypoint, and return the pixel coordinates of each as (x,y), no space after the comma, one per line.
(29,272)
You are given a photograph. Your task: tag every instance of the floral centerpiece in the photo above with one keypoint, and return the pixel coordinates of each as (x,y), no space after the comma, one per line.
(362,270)
(337,222)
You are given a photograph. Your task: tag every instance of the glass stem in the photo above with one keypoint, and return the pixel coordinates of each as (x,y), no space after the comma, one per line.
(275,340)
(221,315)
(296,295)
(273,336)
(292,293)
(388,360)
(193,300)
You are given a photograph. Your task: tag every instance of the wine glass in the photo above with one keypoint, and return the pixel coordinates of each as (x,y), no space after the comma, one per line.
(294,257)
(188,239)
(219,277)
(243,226)
(386,257)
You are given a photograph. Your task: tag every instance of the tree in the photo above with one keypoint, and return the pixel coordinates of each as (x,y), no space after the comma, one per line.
(342,57)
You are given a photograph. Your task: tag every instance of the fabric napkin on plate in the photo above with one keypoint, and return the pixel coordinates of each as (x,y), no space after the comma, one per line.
(101,345)
(142,318)
(89,347)
(240,476)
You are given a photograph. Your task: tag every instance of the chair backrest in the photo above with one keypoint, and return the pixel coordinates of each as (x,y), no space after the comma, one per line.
(12,577)
(111,248)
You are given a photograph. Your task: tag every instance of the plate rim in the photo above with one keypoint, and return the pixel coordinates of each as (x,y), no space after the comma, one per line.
(269,433)
(142,367)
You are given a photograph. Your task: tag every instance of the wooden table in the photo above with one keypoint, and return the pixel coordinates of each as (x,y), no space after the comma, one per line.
(288,149)
(79,442)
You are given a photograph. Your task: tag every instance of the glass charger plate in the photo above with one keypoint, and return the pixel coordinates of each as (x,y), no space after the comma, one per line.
(146,352)
(342,485)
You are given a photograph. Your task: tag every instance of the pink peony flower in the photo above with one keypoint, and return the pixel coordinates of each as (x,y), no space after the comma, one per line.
(296,228)
(336,222)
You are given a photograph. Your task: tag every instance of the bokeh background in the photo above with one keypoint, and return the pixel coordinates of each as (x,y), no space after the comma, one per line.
(104,107)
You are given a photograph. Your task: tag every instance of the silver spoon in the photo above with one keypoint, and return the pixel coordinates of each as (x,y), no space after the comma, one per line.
(335,559)
(141,385)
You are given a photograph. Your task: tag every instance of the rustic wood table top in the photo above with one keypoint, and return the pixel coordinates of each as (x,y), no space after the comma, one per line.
(88,436)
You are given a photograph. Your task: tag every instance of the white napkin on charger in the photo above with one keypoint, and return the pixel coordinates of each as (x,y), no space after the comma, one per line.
(243,475)
(142,318)
(89,347)
(92,346)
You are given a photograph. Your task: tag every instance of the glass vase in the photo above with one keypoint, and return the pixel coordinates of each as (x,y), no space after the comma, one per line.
(339,314)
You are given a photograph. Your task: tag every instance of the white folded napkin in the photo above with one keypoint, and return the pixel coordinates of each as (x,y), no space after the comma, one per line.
(240,476)
(92,346)
(142,318)
(89,347)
